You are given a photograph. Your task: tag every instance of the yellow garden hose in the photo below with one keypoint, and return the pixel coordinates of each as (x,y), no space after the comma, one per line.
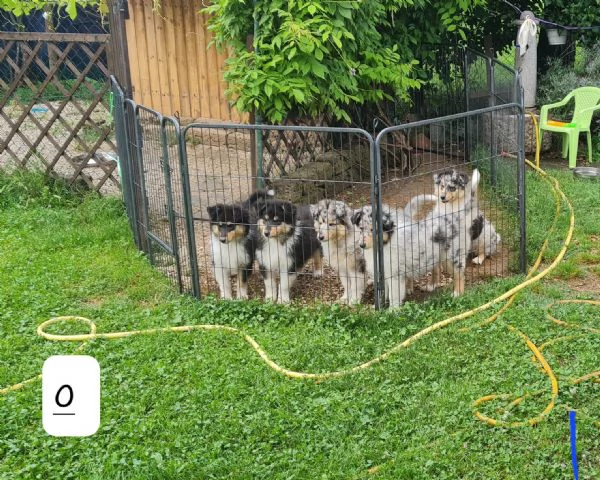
(325,375)
(509,295)
(537,418)
(538,146)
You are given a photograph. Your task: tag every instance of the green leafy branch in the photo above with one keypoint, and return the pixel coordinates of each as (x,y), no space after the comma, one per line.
(311,57)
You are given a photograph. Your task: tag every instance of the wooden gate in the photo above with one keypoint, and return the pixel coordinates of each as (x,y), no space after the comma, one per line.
(55,107)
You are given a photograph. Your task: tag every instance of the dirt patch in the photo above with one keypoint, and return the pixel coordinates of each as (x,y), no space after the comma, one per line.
(588,284)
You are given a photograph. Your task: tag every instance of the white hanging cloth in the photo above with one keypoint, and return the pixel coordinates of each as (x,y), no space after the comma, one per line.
(527,35)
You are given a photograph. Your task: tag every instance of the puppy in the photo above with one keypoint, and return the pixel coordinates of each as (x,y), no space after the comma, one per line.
(339,240)
(363,220)
(233,242)
(411,248)
(450,188)
(286,241)
(485,244)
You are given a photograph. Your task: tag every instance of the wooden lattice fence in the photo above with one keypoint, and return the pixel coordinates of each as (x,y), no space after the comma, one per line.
(55,107)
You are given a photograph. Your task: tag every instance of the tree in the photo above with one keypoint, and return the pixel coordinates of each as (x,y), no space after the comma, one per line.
(493,25)
(24,7)
(312,56)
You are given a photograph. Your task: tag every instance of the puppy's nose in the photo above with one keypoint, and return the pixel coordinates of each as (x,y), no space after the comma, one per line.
(443,198)
(362,244)
(267,233)
(223,240)
(321,236)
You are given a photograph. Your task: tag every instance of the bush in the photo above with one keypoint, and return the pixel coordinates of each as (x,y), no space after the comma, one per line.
(560,79)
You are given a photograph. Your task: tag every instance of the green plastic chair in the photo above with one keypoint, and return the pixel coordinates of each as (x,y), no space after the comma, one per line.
(586,103)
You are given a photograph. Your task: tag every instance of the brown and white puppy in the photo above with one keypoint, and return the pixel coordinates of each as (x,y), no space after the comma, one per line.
(286,241)
(339,240)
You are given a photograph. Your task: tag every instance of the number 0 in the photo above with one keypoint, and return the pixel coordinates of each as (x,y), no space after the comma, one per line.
(57,398)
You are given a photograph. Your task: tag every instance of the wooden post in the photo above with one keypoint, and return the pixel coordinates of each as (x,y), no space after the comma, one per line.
(118,54)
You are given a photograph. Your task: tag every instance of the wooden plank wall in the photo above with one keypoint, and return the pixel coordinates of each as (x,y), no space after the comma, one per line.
(172,70)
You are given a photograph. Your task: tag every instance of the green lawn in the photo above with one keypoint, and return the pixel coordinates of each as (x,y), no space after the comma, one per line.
(203,405)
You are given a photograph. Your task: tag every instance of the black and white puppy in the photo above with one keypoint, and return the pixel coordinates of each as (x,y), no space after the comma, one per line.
(233,242)
(286,242)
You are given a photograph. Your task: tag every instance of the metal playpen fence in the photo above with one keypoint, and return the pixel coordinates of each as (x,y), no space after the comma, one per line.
(172,173)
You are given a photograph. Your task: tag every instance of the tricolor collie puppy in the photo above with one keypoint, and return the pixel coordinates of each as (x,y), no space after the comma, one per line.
(233,242)
(413,248)
(286,242)
(339,239)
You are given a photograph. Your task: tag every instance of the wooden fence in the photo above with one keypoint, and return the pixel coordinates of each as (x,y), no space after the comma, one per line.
(55,109)
(171,68)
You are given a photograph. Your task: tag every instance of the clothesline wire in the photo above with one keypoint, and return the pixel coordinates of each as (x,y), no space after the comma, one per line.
(553,24)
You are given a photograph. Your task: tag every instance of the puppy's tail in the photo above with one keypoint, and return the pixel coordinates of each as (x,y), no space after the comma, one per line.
(412,208)
(472,189)
(475,178)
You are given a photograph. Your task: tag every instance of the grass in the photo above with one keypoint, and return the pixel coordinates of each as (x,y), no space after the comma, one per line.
(203,405)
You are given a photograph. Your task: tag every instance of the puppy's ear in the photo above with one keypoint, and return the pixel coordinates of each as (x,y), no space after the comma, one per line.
(314,210)
(477,227)
(261,208)
(212,212)
(460,178)
(387,223)
(356,217)
(242,216)
(290,213)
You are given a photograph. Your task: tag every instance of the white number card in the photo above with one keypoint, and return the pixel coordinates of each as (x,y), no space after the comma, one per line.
(71,395)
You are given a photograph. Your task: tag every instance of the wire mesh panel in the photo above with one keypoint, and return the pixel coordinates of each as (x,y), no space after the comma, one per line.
(124,155)
(319,214)
(305,245)
(338,225)
(156,189)
(489,82)
(429,219)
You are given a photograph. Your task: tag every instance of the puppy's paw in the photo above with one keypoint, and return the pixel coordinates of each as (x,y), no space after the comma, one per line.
(478,260)
(285,299)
